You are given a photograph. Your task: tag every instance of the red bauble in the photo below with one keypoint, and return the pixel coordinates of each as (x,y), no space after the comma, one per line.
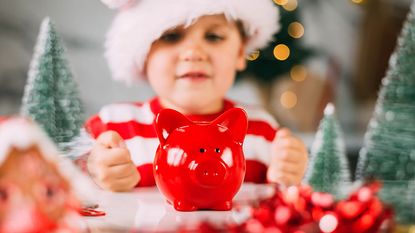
(349,209)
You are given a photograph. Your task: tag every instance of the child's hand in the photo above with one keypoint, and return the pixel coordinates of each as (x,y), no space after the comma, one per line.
(110,165)
(289,159)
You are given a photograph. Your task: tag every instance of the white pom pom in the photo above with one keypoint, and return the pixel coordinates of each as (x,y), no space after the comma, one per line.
(115,4)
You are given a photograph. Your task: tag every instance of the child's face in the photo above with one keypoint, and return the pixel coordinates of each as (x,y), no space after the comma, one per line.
(192,68)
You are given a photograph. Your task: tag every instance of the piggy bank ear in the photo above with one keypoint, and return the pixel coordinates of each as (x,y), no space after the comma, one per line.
(167,121)
(236,121)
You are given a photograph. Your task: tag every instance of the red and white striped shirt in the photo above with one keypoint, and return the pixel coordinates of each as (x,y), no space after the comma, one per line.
(134,122)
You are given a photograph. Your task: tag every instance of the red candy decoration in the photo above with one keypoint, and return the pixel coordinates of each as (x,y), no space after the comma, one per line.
(349,209)
(363,212)
(299,210)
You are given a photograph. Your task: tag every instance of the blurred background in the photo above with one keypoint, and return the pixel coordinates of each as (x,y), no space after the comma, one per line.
(327,51)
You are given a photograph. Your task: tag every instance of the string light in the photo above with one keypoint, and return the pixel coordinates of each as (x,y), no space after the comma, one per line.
(281,52)
(298,73)
(288,99)
(296,30)
(281,2)
(357,1)
(291,5)
(253,56)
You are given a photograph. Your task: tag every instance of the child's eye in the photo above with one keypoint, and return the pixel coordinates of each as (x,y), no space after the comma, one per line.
(213,37)
(171,37)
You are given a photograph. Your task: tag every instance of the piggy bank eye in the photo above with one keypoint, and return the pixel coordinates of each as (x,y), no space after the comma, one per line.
(202,150)
(217,150)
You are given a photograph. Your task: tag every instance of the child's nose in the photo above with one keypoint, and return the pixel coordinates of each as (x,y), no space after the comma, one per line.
(193,53)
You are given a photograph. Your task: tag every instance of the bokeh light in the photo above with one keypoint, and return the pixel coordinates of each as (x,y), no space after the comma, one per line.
(296,30)
(358,1)
(298,73)
(281,52)
(411,229)
(281,2)
(288,99)
(253,56)
(291,5)
(328,223)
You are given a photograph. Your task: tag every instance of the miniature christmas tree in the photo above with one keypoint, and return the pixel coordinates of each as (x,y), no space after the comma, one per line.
(329,165)
(389,146)
(400,195)
(51,95)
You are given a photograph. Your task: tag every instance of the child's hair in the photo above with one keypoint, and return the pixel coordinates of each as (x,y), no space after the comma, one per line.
(241,29)
(140,22)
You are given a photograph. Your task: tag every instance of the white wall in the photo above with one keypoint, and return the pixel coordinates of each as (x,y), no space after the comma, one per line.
(82,25)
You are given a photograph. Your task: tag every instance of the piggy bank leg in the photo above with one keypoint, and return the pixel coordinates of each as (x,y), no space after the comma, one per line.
(184,206)
(227,205)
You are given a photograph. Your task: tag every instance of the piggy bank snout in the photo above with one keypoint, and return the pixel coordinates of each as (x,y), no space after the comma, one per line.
(210,173)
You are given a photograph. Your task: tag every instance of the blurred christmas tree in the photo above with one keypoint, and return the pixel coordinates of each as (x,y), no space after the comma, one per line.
(389,146)
(328,168)
(401,195)
(51,95)
(282,55)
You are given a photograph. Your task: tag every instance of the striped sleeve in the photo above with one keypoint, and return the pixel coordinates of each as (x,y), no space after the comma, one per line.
(129,120)
(94,126)
(257,145)
(134,123)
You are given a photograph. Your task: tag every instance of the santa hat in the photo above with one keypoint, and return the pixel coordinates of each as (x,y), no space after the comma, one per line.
(140,22)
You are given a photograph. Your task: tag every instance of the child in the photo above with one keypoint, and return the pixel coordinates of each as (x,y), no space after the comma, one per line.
(189,51)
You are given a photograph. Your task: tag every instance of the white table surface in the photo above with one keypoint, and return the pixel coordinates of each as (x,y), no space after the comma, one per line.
(145,209)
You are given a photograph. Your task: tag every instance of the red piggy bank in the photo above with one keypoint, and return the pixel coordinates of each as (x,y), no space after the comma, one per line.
(200,165)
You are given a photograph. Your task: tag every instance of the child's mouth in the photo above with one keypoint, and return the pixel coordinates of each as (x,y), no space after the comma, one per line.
(194,76)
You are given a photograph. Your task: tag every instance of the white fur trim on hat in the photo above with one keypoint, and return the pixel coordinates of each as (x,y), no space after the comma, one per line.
(135,28)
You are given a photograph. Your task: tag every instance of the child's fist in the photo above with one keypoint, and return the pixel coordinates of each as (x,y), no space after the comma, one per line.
(289,159)
(110,165)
